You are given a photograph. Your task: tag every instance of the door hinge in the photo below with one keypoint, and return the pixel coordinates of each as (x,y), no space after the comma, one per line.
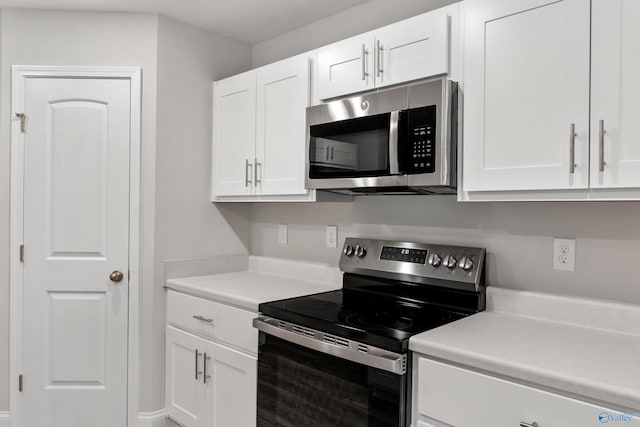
(21,253)
(20,383)
(23,122)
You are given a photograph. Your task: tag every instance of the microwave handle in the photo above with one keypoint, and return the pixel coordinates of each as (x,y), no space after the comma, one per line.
(394,165)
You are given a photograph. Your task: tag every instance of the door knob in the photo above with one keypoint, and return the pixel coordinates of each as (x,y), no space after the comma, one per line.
(116,276)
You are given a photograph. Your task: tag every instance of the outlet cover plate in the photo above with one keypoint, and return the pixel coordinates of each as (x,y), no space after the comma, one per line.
(332,236)
(564,254)
(283,234)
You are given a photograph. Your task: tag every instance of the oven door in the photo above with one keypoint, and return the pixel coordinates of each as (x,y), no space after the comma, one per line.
(298,386)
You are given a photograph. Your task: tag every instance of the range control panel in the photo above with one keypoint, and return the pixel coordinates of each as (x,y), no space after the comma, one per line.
(418,262)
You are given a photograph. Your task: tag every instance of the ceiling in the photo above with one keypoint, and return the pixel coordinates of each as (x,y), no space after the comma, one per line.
(249,21)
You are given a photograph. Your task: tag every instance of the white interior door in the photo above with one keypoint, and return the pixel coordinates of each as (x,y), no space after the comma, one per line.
(526,83)
(615,89)
(76,228)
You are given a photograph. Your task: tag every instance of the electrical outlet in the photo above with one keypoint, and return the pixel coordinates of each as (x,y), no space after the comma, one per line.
(332,236)
(283,234)
(564,254)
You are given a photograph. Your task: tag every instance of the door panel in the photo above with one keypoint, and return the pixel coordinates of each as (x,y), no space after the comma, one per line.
(233,387)
(526,81)
(76,232)
(346,67)
(234,134)
(413,49)
(283,96)
(185,393)
(615,66)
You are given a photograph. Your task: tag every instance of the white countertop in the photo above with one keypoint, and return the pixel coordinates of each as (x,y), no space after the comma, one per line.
(267,279)
(578,346)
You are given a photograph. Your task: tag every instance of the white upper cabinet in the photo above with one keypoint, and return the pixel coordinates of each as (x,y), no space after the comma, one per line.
(259,133)
(526,92)
(615,94)
(412,49)
(346,67)
(283,96)
(234,134)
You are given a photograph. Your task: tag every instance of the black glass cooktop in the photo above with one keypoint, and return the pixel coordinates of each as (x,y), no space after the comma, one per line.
(369,318)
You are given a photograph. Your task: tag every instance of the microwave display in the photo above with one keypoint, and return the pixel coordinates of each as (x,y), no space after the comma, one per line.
(419,128)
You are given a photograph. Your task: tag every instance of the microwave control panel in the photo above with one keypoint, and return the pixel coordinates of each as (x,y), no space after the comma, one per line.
(420,137)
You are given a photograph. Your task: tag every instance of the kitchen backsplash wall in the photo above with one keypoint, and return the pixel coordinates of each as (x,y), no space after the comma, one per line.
(518,237)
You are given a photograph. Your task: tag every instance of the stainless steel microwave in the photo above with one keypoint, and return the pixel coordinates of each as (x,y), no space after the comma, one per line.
(398,141)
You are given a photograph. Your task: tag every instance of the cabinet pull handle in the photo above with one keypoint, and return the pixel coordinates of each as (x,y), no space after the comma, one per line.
(247,165)
(380,52)
(601,146)
(203,319)
(331,153)
(206,376)
(533,424)
(197,356)
(364,62)
(572,148)
(255,170)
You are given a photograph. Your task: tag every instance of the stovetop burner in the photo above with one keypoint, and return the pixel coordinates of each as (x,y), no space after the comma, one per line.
(378,321)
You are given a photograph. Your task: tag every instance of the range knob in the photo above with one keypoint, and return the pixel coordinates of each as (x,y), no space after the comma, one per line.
(434,259)
(450,262)
(466,263)
(360,251)
(348,250)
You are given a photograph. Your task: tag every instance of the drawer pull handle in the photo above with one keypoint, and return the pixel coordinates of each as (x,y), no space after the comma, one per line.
(203,319)
(533,424)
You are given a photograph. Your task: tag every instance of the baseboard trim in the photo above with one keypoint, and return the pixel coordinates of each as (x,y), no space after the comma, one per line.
(5,420)
(150,419)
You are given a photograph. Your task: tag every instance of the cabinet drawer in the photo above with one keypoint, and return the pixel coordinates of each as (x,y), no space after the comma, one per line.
(228,324)
(489,401)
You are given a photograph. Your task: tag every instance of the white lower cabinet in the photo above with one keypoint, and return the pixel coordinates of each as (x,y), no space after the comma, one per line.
(209,383)
(449,396)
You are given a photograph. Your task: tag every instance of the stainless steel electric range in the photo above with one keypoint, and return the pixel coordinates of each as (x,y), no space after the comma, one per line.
(341,358)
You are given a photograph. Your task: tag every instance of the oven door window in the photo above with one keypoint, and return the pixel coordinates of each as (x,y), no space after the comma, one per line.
(301,387)
(350,148)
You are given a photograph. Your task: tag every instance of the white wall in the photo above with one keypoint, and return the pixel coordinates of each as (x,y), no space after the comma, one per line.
(518,236)
(187,224)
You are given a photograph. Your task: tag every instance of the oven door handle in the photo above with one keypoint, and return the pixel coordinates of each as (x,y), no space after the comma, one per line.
(394,165)
(347,349)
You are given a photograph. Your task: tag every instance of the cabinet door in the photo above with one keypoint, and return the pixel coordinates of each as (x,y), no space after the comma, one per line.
(526,86)
(346,67)
(413,49)
(231,388)
(185,392)
(234,135)
(488,401)
(615,67)
(282,99)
